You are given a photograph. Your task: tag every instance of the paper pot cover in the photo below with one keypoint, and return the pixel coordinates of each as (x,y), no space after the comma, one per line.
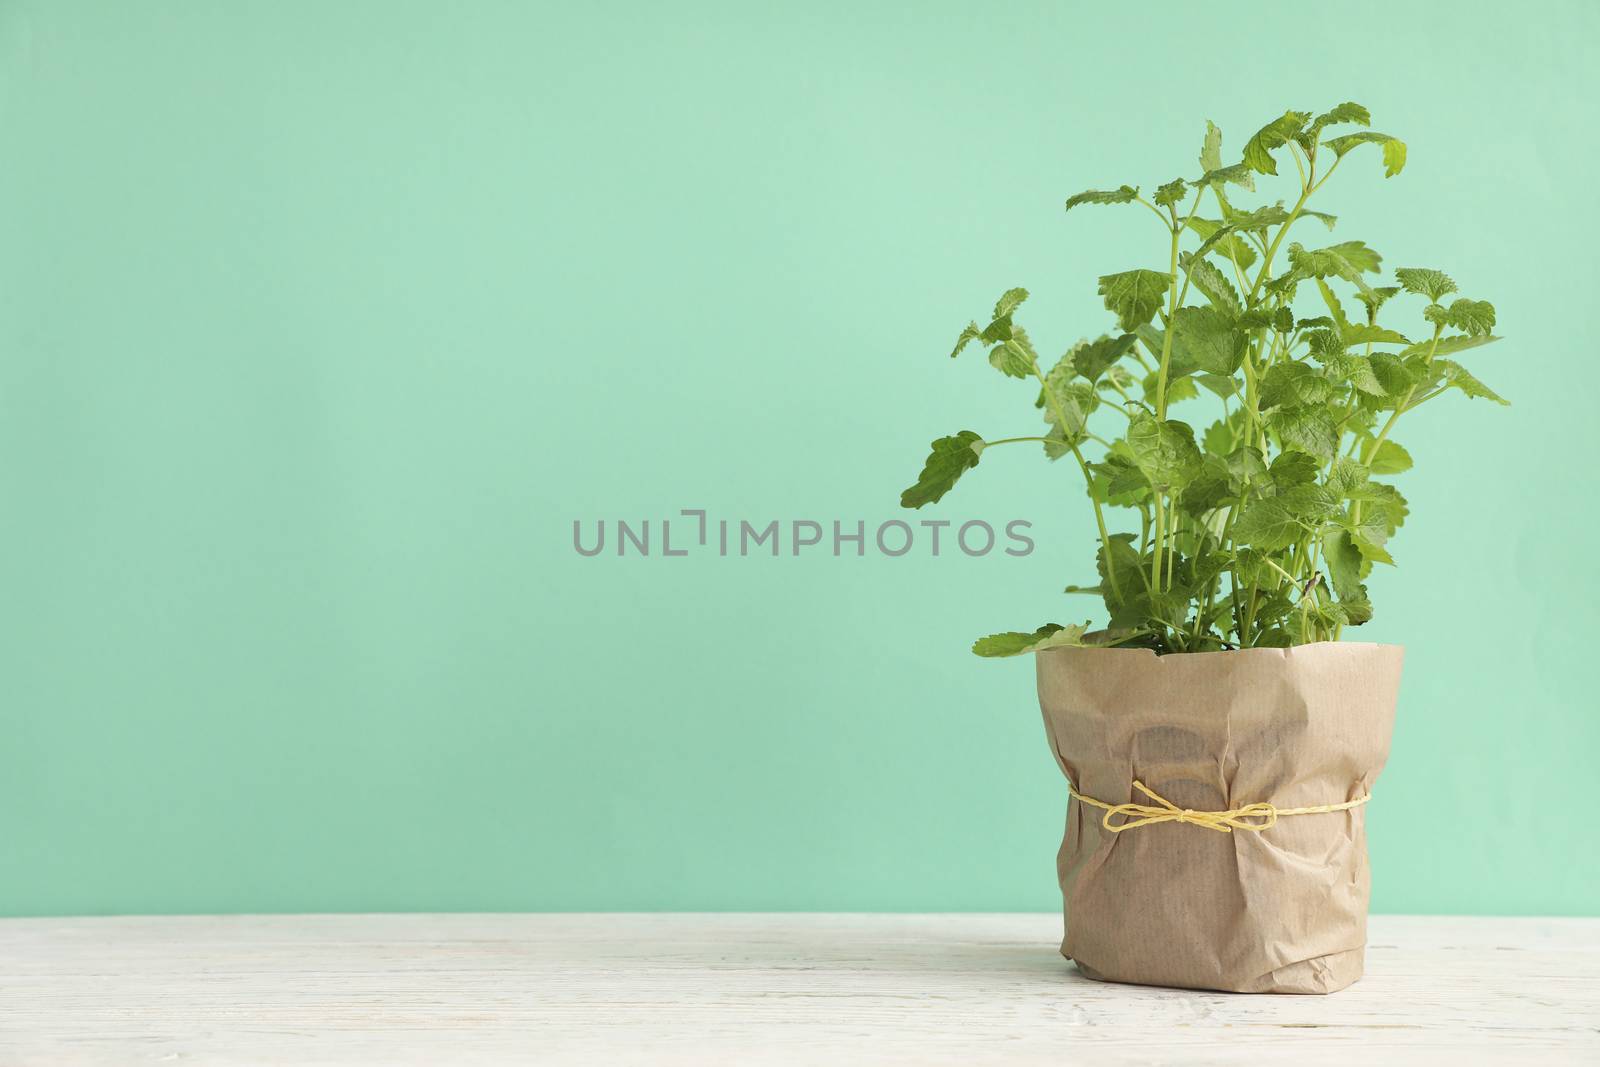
(1179,904)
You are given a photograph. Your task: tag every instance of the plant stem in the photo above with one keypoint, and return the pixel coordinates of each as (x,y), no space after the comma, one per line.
(1099,514)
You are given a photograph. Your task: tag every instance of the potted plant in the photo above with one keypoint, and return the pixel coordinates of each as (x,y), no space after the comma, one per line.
(1219,735)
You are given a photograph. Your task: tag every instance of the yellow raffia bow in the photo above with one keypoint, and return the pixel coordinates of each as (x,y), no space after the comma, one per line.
(1256,817)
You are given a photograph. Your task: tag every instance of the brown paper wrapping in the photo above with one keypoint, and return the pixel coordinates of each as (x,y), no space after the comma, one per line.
(1175,904)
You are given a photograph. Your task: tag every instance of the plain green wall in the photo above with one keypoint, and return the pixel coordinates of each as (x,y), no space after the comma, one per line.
(323,322)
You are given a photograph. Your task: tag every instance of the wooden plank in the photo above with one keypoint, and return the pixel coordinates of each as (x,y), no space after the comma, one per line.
(784,989)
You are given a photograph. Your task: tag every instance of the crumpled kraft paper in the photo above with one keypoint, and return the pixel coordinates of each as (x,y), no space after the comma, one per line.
(1175,904)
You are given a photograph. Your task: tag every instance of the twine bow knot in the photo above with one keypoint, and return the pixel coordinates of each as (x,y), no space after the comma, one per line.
(1254,817)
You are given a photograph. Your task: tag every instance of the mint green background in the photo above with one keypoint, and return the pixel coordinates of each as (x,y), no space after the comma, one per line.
(322,322)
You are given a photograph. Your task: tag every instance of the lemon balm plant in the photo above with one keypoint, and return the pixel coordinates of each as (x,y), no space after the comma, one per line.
(1256,523)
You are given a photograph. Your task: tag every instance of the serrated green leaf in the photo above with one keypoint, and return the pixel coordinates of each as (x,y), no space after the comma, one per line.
(1356,371)
(1347,260)
(997,331)
(1171,192)
(1370,550)
(1394,150)
(1267,524)
(1134,296)
(1449,345)
(1347,478)
(1344,561)
(1475,318)
(1433,284)
(1206,339)
(1363,333)
(1011,359)
(1259,220)
(1390,459)
(1452,375)
(1343,113)
(1211,149)
(949,459)
(1009,301)
(1123,195)
(1220,239)
(1164,450)
(1307,429)
(1212,283)
(1092,359)
(1233,174)
(1293,384)
(1394,373)
(968,335)
(1275,134)
(1290,470)
(1015,643)
(1376,297)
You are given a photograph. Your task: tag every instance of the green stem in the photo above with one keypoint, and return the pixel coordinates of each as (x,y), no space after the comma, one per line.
(1099,514)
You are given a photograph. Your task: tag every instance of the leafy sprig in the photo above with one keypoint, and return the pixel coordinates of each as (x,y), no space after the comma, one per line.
(1262,528)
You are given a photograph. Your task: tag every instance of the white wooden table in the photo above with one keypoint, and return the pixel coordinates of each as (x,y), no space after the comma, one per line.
(739,989)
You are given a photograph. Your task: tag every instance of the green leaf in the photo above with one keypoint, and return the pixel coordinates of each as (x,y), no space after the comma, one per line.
(1219,238)
(1091,360)
(1362,333)
(1009,301)
(1343,113)
(1394,150)
(1475,318)
(1449,345)
(971,333)
(1347,479)
(1309,429)
(1258,221)
(1293,384)
(1211,149)
(1179,387)
(1291,469)
(1335,308)
(1212,487)
(1371,551)
(951,457)
(1207,340)
(1164,450)
(1275,134)
(1011,359)
(1171,193)
(1453,375)
(1234,174)
(1394,374)
(1212,283)
(998,330)
(1433,284)
(1357,608)
(1124,195)
(1015,644)
(1076,402)
(1310,503)
(1347,260)
(1356,371)
(1344,562)
(1267,524)
(1376,297)
(1390,459)
(1134,296)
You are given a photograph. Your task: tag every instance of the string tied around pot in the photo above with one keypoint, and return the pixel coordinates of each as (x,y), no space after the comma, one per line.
(1253,817)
